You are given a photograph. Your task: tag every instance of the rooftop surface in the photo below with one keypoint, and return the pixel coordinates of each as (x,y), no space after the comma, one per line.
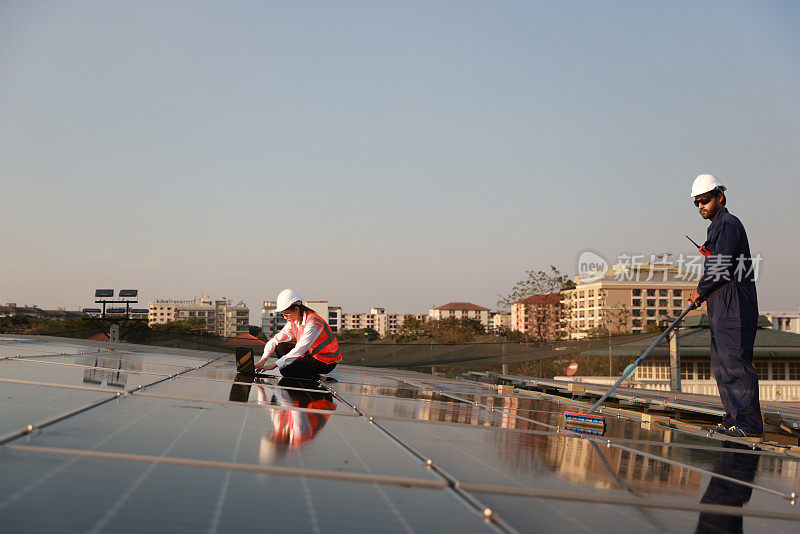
(106,437)
(695,338)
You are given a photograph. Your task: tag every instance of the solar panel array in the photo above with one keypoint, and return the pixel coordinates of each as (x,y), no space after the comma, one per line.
(100,437)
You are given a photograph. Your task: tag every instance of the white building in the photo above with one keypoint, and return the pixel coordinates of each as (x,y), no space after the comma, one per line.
(461,310)
(377,319)
(784,321)
(220,316)
(332,314)
(272,322)
(500,321)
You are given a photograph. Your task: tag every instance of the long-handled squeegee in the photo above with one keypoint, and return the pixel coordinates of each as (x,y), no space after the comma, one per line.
(589,417)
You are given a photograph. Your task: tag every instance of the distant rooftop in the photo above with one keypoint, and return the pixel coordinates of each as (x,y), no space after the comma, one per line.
(695,338)
(468,306)
(550,298)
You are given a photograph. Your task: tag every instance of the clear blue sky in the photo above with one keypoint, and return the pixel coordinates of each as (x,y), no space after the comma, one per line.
(397,154)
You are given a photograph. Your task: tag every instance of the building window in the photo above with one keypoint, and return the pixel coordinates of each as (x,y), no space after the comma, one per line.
(703,370)
(794,370)
(687,370)
(651,302)
(636,313)
(778,370)
(661,371)
(662,292)
(637,302)
(677,303)
(651,313)
(645,371)
(651,292)
(637,323)
(192,314)
(677,292)
(663,303)
(762,368)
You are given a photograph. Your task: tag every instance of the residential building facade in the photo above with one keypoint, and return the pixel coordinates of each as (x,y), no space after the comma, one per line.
(461,310)
(220,316)
(539,316)
(776,358)
(626,299)
(499,321)
(784,321)
(376,319)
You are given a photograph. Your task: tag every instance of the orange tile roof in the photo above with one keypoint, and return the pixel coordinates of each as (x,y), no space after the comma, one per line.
(552,298)
(468,306)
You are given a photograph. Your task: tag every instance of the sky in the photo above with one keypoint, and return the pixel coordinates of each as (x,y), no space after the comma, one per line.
(393,154)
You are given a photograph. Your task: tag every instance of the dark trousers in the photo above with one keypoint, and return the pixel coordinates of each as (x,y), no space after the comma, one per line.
(733,335)
(720,491)
(306,367)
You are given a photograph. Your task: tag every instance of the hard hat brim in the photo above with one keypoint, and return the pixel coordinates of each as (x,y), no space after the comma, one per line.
(720,188)
(289,305)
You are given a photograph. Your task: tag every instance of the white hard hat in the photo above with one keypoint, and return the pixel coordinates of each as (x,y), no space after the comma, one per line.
(286,298)
(705,183)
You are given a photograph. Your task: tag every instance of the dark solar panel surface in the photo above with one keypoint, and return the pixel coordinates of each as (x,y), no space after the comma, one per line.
(138,439)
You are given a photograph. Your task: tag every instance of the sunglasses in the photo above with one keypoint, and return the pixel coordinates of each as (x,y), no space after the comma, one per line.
(704,200)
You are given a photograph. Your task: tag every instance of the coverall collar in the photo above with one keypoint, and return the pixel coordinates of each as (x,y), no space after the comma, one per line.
(719,214)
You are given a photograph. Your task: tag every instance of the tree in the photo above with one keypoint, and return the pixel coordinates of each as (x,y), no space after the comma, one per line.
(188,326)
(619,319)
(360,334)
(254,330)
(652,327)
(411,329)
(453,330)
(540,299)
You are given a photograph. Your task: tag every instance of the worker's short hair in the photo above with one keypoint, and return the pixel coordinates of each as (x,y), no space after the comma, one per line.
(724,196)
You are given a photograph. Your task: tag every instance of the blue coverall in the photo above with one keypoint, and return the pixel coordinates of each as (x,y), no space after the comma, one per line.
(728,285)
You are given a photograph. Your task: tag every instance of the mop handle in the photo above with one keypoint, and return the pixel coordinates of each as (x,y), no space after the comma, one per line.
(646,353)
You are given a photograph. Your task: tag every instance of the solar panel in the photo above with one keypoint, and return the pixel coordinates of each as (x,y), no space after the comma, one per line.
(168,439)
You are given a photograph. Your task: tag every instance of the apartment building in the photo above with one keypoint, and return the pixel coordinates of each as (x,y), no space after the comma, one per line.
(377,319)
(784,321)
(461,310)
(499,321)
(272,322)
(220,316)
(625,298)
(538,315)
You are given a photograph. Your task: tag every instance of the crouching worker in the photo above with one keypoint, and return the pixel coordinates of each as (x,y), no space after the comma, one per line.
(306,347)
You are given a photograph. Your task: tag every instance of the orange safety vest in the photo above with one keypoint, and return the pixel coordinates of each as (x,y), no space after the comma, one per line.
(289,422)
(325,348)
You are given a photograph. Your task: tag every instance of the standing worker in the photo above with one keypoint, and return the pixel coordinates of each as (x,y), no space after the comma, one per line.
(306,346)
(728,285)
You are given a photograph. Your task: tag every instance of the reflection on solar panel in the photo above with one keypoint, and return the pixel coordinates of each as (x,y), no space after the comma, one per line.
(102,437)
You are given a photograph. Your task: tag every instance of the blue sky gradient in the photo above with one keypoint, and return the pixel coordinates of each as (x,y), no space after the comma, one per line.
(384,153)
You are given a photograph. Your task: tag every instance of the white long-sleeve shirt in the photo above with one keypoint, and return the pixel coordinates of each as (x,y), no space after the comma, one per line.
(311,331)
